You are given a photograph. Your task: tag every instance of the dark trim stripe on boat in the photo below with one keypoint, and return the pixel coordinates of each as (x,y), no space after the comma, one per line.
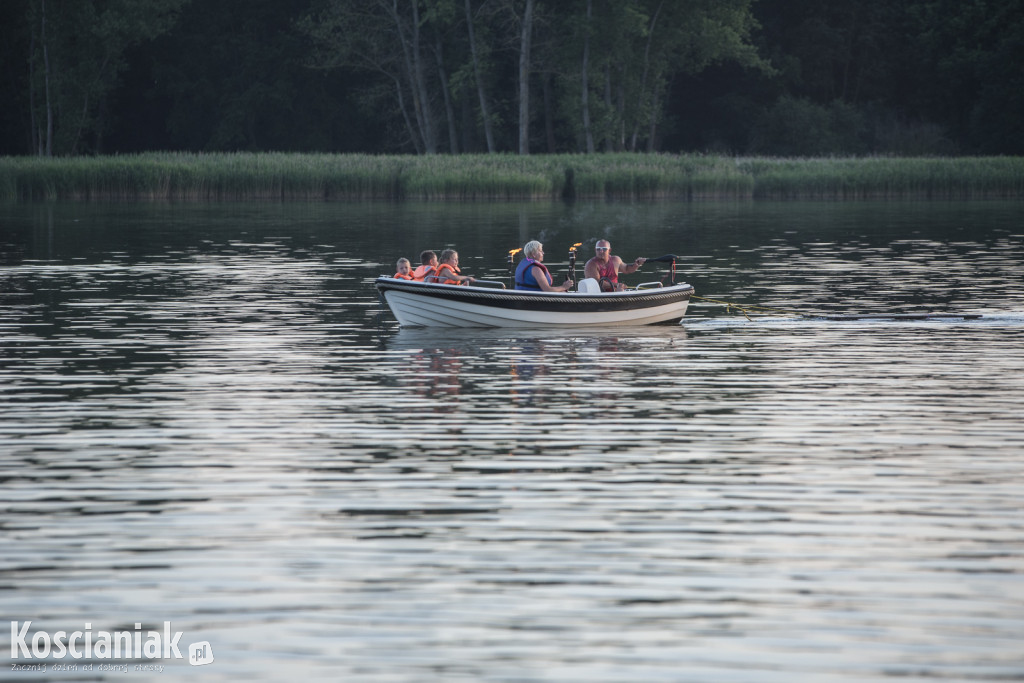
(515,299)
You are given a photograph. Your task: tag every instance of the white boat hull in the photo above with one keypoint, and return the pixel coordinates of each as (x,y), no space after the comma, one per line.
(419,304)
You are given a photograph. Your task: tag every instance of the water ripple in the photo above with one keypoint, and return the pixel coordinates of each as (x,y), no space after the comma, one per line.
(233,437)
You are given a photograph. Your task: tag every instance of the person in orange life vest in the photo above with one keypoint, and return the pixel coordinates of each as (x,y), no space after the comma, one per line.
(429,267)
(531,273)
(605,268)
(403,269)
(448,271)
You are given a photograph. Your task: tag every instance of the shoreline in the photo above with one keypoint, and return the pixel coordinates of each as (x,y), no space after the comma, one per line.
(279,176)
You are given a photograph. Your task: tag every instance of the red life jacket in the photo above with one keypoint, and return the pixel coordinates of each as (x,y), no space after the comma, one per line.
(608,276)
(402,276)
(609,272)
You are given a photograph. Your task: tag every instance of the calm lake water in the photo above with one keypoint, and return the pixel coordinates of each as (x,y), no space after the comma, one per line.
(206,418)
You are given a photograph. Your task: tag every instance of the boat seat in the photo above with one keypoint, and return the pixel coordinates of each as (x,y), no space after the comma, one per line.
(589,285)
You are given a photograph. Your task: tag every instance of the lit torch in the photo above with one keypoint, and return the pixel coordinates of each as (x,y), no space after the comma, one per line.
(572,262)
(511,260)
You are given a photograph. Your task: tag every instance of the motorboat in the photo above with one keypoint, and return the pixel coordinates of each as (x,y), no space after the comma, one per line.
(489,304)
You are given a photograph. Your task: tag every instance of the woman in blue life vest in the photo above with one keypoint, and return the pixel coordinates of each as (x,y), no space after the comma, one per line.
(533,274)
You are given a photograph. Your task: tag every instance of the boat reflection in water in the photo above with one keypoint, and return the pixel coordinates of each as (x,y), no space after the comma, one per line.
(575,367)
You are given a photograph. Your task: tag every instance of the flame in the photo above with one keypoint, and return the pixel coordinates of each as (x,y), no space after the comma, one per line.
(578,244)
(513,252)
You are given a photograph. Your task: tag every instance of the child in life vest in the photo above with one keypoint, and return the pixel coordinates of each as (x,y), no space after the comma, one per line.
(429,267)
(448,272)
(404,269)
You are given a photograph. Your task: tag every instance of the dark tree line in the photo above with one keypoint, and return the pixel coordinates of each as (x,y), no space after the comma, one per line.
(794,77)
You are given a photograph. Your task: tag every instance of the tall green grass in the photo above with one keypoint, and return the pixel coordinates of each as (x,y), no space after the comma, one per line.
(320,177)
(879,177)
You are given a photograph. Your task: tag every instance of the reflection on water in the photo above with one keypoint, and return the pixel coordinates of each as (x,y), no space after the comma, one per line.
(205,417)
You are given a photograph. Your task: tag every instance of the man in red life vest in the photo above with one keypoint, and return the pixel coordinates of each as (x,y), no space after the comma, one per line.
(605,268)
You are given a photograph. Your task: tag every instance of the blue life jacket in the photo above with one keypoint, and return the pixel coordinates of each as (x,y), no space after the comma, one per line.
(524,274)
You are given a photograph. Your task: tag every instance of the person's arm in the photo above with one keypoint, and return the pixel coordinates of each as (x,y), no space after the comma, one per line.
(632,267)
(451,274)
(444,272)
(542,281)
(591,270)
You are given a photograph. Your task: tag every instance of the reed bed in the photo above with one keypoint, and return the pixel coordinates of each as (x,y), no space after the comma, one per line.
(359,177)
(884,178)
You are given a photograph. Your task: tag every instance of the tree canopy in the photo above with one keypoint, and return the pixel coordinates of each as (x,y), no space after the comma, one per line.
(790,77)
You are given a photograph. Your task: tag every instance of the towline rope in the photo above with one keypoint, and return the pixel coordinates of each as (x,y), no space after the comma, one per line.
(743,308)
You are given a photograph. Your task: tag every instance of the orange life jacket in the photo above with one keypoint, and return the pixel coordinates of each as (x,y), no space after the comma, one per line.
(441,268)
(403,276)
(422,272)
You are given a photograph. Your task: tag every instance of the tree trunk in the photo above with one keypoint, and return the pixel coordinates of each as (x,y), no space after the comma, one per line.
(479,82)
(643,78)
(620,110)
(453,140)
(35,144)
(549,120)
(416,139)
(654,121)
(609,132)
(588,134)
(101,122)
(524,79)
(49,103)
(467,128)
(81,124)
(420,84)
(424,125)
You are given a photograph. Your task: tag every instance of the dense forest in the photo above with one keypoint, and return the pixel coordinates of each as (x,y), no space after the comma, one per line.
(766,77)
